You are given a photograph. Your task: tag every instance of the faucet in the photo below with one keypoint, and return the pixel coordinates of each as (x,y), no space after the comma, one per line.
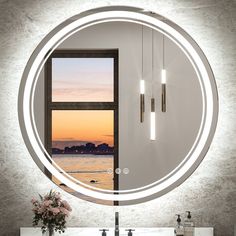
(130,231)
(117,231)
(104,231)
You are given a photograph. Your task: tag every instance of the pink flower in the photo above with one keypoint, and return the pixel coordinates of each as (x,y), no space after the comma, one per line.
(64,211)
(33,200)
(41,210)
(47,203)
(66,205)
(57,195)
(50,208)
(35,209)
(55,210)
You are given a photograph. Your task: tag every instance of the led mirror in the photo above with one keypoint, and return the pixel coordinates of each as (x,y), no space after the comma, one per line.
(118,105)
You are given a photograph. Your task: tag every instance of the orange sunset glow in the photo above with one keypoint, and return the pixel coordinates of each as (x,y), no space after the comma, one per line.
(83,126)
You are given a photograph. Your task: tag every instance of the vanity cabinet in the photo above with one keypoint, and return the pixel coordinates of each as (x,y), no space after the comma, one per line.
(29,231)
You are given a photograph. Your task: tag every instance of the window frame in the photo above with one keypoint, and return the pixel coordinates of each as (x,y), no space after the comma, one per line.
(113,106)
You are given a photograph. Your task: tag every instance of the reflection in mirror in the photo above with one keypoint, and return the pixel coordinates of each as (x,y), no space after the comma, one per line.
(93,107)
(81,80)
(83,146)
(81,115)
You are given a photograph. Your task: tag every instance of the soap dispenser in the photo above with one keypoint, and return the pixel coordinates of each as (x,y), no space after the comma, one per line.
(188,220)
(179,229)
(188,225)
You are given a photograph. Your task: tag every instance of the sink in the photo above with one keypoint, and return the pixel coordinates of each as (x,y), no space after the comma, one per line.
(70,231)
(149,232)
(83,231)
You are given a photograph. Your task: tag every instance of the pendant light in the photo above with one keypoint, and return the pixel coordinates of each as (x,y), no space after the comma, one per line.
(153,120)
(142,89)
(153,113)
(163,78)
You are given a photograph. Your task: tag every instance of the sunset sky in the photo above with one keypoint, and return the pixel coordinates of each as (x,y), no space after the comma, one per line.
(79,127)
(82,79)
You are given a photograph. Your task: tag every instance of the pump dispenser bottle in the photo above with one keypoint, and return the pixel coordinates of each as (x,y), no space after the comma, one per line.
(188,225)
(179,229)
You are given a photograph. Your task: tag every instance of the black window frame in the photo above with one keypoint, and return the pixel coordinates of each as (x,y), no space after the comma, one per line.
(51,106)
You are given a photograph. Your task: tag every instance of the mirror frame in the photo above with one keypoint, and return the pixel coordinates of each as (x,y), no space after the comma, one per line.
(170,30)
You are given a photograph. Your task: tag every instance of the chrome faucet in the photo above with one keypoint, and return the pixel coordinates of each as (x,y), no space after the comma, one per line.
(117,231)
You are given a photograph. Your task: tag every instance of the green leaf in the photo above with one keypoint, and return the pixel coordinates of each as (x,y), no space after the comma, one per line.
(41,197)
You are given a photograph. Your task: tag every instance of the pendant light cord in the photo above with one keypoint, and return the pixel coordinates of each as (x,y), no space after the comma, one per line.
(163,51)
(152,61)
(142,51)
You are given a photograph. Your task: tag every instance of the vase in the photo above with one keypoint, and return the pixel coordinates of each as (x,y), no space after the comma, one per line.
(49,232)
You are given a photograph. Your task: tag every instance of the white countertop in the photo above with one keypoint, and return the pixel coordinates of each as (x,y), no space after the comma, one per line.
(30,231)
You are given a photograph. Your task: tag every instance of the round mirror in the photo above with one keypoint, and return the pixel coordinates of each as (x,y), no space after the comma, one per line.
(118,105)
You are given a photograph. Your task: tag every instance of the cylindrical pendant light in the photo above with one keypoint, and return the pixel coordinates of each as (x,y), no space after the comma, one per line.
(153,113)
(153,121)
(163,79)
(142,100)
(142,89)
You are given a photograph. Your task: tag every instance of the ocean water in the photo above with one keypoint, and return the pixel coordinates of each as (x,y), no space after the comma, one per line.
(86,168)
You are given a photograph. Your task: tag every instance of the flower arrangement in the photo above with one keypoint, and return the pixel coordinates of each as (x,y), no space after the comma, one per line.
(51,211)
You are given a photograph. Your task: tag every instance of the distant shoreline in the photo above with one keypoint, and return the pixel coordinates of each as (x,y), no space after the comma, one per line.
(83,154)
(87,149)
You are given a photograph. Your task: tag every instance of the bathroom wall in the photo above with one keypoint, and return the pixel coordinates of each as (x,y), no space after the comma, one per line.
(210,193)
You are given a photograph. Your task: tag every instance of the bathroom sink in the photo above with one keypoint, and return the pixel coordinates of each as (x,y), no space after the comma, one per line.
(72,231)
(149,232)
(162,231)
(165,231)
